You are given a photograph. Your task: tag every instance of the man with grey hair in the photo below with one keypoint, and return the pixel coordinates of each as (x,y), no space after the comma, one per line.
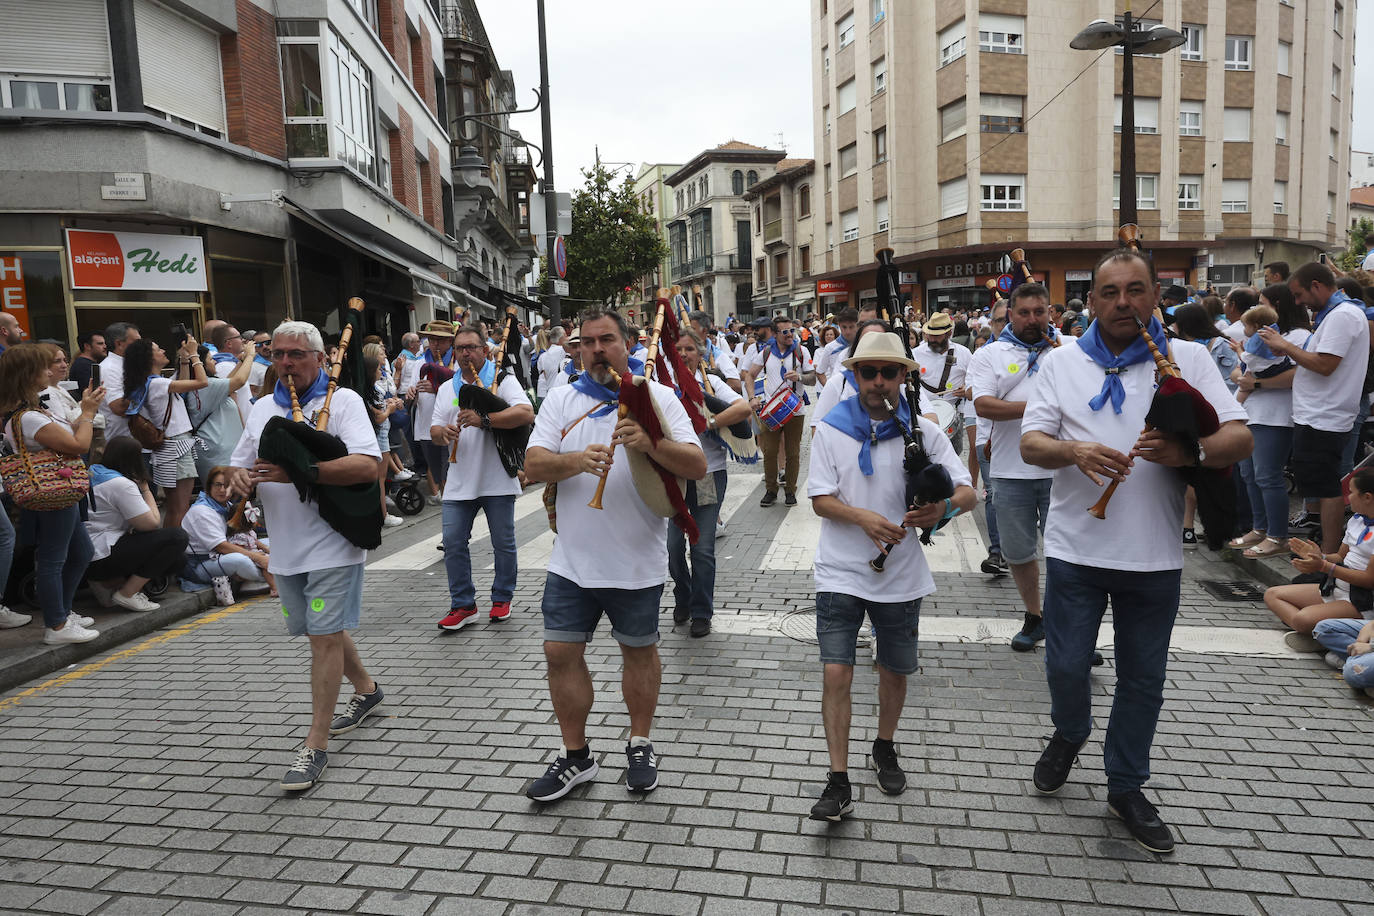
(716,356)
(319,572)
(551,361)
(118,336)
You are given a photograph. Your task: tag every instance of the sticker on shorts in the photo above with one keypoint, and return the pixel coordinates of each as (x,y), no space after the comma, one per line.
(285,612)
(317,605)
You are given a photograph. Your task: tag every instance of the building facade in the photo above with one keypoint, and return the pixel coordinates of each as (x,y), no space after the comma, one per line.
(782,218)
(953,131)
(656,200)
(169,161)
(710,235)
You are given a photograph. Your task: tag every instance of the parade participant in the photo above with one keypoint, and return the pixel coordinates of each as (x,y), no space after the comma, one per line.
(716,356)
(550,362)
(319,572)
(479,482)
(944,370)
(857,486)
(1084,421)
(780,364)
(1002,377)
(842,384)
(995,564)
(827,360)
(694,588)
(438,336)
(609,560)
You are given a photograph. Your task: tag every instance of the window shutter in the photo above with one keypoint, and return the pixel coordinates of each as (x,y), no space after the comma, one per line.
(179,63)
(1003,106)
(70,38)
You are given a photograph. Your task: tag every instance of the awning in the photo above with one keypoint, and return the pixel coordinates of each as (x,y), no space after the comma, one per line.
(429,284)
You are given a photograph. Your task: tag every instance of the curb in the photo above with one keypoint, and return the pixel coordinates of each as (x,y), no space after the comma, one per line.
(1265,571)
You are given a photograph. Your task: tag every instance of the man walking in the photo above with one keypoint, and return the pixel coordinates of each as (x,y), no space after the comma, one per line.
(782,363)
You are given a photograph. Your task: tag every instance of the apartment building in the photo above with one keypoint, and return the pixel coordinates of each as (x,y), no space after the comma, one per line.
(710,237)
(955,130)
(656,200)
(783,237)
(169,161)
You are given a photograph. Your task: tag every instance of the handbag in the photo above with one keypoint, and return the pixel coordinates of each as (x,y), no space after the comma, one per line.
(149,435)
(43,481)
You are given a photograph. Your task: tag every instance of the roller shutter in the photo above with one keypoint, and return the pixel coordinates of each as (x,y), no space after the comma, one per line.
(179,62)
(71,38)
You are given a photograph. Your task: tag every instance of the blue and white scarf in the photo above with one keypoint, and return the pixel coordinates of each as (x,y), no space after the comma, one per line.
(1035,350)
(1137,352)
(282,395)
(850,418)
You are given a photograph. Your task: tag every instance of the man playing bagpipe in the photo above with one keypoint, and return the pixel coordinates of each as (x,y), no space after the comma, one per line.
(610,555)
(319,569)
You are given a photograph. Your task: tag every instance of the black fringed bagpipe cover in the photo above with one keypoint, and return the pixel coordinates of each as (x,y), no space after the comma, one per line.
(510,443)
(1180,410)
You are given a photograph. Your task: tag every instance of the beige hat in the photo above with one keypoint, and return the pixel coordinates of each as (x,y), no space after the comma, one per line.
(939,323)
(885,347)
(438,327)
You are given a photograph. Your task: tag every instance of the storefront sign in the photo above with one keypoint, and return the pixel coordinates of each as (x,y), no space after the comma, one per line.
(1172,274)
(1078,276)
(972,268)
(13,297)
(135,260)
(951,283)
(832,287)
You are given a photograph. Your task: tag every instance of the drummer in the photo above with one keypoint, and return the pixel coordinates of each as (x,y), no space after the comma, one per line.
(784,367)
(944,369)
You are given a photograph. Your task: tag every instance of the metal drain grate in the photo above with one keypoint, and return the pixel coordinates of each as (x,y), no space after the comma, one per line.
(801,626)
(1232,589)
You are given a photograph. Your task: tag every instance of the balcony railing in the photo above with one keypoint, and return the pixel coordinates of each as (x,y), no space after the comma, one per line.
(772,231)
(707,264)
(459,19)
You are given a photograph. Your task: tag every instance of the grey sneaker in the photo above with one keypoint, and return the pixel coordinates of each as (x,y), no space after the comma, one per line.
(359,707)
(306,771)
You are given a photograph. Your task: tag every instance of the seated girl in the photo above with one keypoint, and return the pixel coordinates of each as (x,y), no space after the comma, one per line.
(214,550)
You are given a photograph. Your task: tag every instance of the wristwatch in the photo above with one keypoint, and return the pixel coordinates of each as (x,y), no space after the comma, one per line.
(1257,383)
(711,422)
(1201,454)
(486,422)
(312,473)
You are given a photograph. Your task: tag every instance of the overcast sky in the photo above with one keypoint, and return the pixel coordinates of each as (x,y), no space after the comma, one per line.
(651,81)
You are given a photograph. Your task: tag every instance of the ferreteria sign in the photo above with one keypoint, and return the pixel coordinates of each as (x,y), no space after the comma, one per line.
(991,267)
(135,260)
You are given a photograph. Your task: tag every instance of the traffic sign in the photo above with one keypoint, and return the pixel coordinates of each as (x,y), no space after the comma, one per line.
(1004,283)
(560,287)
(560,258)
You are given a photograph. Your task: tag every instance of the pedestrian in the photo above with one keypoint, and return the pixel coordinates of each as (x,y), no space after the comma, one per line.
(1084,421)
(858,486)
(438,335)
(215,550)
(944,374)
(609,560)
(90,347)
(158,400)
(715,357)
(781,364)
(118,336)
(319,572)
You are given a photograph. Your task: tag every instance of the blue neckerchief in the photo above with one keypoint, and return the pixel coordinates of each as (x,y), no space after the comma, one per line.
(590,386)
(224,509)
(139,398)
(261,360)
(569,370)
(317,388)
(777,351)
(446,360)
(636,366)
(1036,350)
(1362,519)
(101,474)
(844,344)
(211,347)
(639,347)
(850,418)
(218,358)
(1255,345)
(409,355)
(1137,352)
(485,376)
(849,379)
(1336,299)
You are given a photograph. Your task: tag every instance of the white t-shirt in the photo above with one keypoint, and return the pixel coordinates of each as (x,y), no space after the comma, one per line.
(206,528)
(410,372)
(771,369)
(33,421)
(59,403)
(999,370)
(844,550)
(117,500)
(726,363)
(301,540)
(424,400)
(1235,330)
(1144,518)
(933,367)
(550,361)
(243,397)
(1274,406)
(477,469)
(1330,402)
(112,377)
(155,408)
(1357,557)
(255,377)
(711,444)
(827,360)
(623,545)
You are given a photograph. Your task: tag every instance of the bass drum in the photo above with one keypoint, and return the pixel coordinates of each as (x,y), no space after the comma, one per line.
(948,418)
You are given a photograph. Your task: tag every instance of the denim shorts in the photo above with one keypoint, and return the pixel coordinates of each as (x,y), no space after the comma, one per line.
(839,617)
(322,601)
(572,612)
(1022,505)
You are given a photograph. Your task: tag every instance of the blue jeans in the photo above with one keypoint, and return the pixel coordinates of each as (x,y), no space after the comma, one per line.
(6,549)
(695,588)
(1348,459)
(1262,473)
(1144,605)
(62,551)
(1024,503)
(989,504)
(458,517)
(1336,636)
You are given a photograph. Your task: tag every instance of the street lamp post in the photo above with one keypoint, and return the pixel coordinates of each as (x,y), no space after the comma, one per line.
(1101,34)
(550,198)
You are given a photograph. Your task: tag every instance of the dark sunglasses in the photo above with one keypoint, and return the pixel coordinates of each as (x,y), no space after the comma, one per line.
(869,373)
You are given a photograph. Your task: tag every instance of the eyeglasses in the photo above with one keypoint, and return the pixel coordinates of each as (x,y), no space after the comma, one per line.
(468,347)
(869,373)
(292,354)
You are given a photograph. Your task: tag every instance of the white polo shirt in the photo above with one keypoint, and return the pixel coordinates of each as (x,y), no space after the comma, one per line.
(476,470)
(999,370)
(1140,533)
(933,367)
(112,377)
(1330,402)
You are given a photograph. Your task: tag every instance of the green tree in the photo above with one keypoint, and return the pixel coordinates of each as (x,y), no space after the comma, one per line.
(1359,236)
(613,242)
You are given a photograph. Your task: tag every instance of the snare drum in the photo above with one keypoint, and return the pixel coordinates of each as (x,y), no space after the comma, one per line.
(950,421)
(780,408)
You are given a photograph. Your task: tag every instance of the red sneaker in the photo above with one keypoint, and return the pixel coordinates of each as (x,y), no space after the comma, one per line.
(458,618)
(500,610)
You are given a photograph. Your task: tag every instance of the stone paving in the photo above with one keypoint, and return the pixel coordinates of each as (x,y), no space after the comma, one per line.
(147,784)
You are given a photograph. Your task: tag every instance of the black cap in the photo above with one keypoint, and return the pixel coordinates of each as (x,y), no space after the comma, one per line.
(1176,293)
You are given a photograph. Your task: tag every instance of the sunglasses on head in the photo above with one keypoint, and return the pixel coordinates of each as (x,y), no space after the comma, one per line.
(869,373)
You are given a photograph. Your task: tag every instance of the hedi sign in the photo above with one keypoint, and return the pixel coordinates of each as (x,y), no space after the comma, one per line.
(135,260)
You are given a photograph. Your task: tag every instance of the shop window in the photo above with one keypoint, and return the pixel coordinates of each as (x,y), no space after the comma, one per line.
(31,287)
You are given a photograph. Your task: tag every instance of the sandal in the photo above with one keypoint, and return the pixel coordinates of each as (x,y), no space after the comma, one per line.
(1249,539)
(1266,548)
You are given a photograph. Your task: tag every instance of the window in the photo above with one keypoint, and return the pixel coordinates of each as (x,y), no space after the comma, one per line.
(367,10)
(737,182)
(879,10)
(825,61)
(1235,124)
(1192,42)
(1235,195)
(845,30)
(879,75)
(761,273)
(1144,25)
(1338,16)
(1280,197)
(1004,192)
(952,118)
(827,175)
(1146,113)
(846,97)
(780,266)
(1284,63)
(1002,114)
(327,118)
(1330,207)
(179,66)
(1281,127)
(951,42)
(1190,192)
(307,130)
(1334,144)
(849,160)
(880,146)
(1189,119)
(804,201)
(880,214)
(825,113)
(56,94)
(1238,52)
(804,260)
(829,235)
(1146,192)
(849,225)
(1336,81)
(954,197)
(751,179)
(1000,34)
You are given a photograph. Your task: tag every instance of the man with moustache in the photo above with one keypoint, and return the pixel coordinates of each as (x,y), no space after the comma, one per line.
(944,372)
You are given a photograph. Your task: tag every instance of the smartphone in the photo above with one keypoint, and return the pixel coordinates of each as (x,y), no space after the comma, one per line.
(95,375)
(1322,257)
(179,335)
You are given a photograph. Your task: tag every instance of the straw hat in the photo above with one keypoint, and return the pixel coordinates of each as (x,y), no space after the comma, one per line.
(884,347)
(939,323)
(437,328)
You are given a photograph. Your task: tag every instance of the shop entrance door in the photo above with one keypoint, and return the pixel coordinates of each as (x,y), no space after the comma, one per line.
(154,320)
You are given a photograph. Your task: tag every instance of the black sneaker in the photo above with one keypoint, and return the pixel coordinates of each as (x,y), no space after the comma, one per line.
(681,615)
(701,626)
(790,499)
(1142,820)
(558,780)
(835,802)
(769,497)
(1304,521)
(306,771)
(891,779)
(359,707)
(1189,539)
(1032,632)
(642,775)
(1052,769)
(994,565)
(782,475)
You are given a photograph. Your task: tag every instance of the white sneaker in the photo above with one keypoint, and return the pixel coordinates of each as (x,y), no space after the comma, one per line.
(11,619)
(403,474)
(135,602)
(393,520)
(72,632)
(254,588)
(224,594)
(77,618)
(103,594)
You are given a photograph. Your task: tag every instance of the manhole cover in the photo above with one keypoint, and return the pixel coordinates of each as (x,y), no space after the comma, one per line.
(1232,590)
(801,626)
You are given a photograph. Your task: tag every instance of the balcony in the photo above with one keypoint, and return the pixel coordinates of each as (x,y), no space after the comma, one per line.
(692,268)
(459,19)
(772,232)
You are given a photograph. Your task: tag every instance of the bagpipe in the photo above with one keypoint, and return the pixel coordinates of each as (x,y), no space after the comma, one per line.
(510,443)
(353,510)
(926,481)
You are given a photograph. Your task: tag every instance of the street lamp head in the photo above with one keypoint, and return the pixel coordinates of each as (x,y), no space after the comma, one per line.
(1097,35)
(472,169)
(1156,40)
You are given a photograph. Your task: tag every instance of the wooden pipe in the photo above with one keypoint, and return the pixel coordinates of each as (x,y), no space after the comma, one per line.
(621,414)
